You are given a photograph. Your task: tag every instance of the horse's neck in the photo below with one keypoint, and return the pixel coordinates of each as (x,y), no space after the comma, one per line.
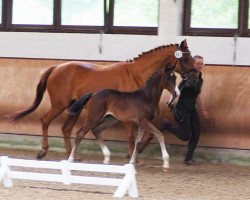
(146,65)
(154,89)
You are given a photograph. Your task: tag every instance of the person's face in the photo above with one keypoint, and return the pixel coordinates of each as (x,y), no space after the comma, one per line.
(198,64)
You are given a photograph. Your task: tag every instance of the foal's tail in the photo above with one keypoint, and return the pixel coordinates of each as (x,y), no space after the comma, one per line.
(78,105)
(41,87)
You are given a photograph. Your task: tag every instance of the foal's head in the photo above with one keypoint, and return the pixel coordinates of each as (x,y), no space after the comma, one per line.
(169,79)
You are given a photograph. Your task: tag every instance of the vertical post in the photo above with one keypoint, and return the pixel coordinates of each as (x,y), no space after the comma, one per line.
(4,173)
(65,172)
(128,183)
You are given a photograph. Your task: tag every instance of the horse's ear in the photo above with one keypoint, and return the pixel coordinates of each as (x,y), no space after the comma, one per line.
(184,44)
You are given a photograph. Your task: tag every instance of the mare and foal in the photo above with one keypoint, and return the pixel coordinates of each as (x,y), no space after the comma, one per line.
(140,107)
(68,81)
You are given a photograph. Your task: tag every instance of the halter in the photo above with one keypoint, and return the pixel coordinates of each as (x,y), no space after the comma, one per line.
(178,54)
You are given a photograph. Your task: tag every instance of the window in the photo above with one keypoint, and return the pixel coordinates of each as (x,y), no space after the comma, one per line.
(91,16)
(136,13)
(78,12)
(248,15)
(140,16)
(216,17)
(32,12)
(1,5)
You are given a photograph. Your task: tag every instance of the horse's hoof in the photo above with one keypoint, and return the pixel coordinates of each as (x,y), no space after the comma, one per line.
(165,169)
(166,166)
(71,159)
(41,154)
(106,161)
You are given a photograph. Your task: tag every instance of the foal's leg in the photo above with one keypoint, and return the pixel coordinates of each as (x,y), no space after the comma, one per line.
(160,138)
(95,114)
(106,123)
(67,130)
(105,149)
(138,139)
(130,129)
(145,141)
(46,120)
(79,136)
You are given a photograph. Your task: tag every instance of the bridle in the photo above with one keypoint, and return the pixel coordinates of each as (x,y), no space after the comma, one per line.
(178,55)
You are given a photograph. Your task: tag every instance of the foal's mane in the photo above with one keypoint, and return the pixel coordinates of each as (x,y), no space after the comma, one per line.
(143,54)
(151,78)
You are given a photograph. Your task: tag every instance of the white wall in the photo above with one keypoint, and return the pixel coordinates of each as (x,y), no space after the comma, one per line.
(216,50)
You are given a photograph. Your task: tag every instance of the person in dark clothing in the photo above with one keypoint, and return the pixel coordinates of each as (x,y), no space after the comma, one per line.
(185,113)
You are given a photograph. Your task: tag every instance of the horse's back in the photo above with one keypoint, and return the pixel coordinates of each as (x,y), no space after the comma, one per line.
(72,79)
(124,106)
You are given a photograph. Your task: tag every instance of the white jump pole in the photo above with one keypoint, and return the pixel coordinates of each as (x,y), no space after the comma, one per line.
(125,185)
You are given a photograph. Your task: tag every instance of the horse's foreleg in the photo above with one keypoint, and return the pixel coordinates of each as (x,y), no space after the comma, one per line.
(67,130)
(138,139)
(160,138)
(130,129)
(46,120)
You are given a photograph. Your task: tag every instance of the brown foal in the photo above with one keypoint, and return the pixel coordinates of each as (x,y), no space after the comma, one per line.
(140,106)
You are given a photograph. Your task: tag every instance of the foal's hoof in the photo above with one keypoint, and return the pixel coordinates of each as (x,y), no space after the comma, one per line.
(166,166)
(41,154)
(106,161)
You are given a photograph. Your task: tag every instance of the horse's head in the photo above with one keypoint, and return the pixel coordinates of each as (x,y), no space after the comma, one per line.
(182,58)
(169,82)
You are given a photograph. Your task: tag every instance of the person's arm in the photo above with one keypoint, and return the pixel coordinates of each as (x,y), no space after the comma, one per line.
(183,83)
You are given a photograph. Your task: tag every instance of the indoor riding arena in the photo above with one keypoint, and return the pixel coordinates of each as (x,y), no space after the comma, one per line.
(58,54)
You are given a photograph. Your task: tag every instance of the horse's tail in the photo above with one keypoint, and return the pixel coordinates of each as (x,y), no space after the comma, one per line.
(78,105)
(41,87)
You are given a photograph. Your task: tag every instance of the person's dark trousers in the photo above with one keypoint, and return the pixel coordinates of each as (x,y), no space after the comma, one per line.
(188,129)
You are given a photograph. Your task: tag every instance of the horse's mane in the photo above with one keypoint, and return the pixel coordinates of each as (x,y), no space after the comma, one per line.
(151,78)
(151,51)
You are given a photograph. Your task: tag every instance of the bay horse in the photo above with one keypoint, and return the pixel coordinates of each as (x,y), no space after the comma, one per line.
(68,81)
(140,107)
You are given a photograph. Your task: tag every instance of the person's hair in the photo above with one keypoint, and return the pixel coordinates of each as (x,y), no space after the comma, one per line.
(198,56)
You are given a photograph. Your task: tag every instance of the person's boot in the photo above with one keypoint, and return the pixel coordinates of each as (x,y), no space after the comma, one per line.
(189,161)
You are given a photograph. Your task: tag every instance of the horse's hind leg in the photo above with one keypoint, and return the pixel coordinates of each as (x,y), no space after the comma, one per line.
(145,141)
(79,136)
(89,124)
(46,120)
(67,130)
(95,114)
(106,123)
(105,149)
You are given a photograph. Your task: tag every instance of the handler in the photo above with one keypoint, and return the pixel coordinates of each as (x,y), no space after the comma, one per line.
(186,114)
